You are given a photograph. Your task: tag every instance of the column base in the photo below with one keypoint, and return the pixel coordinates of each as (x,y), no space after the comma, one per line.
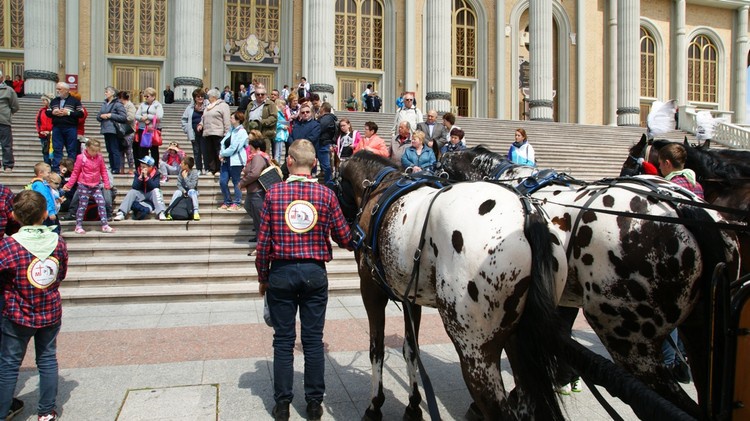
(184,87)
(39,82)
(628,116)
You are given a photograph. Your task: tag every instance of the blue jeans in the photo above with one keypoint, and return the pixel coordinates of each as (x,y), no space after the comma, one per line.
(324,159)
(66,137)
(299,284)
(15,339)
(670,355)
(113,150)
(226,172)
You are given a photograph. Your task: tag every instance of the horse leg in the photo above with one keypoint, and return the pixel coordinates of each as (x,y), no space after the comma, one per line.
(375,301)
(413,411)
(643,358)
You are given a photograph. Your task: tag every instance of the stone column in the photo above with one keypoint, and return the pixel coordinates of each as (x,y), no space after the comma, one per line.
(188,48)
(320,47)
(611,96)
(409,41)
(540,52)
(72,38)
(439,56)
(40,40)
(740,65)
(628,63)
(500,54)
(679,54)
(581,63)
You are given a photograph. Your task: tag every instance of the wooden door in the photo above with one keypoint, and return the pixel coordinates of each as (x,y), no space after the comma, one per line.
(135,78)
(462,101)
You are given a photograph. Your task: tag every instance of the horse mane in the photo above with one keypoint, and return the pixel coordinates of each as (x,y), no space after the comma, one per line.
(365,161)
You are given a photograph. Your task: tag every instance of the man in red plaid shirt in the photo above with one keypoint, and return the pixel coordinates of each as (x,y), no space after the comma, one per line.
(297,219)
(36,260)
(672,166)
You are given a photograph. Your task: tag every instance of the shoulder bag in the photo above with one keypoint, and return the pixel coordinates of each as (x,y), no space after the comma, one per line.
(270,176)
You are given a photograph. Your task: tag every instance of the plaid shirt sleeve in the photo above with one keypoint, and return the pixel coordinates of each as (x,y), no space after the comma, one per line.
(32,299)
(684,183)
(277,240)
(6,207)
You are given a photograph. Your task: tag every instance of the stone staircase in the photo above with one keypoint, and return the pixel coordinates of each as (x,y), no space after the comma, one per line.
(207,259)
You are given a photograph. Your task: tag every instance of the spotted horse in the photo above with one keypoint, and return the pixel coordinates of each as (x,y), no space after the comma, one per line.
(478,252)
(635,277)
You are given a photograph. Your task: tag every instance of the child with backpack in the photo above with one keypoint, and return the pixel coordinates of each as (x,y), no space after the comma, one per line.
(88,172)
(187,187)
(37,261)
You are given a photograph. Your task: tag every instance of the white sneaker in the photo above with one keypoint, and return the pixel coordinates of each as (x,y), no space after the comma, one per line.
(564,390)
(119,216)
(162,216)
(577,385)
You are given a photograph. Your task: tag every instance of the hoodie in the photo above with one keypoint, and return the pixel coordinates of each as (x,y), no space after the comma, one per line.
(8,104)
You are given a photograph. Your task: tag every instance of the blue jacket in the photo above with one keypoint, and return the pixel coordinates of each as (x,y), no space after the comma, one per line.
(233,146)
(411,159)
(42,187)
(309,130)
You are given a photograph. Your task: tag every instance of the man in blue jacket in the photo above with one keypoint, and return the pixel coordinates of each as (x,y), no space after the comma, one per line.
(306,127)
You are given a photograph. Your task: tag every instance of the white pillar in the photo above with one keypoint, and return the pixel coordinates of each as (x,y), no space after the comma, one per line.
(40,46)
(540,49)
(188,48)
(628,63)
(500,49)
(71,37)
(409,41)
(320,47)
(740,66)
(581,64)
(679,54)
(611,96)
(439,56)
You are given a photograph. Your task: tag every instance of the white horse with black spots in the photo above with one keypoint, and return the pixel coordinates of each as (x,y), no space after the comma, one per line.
(491,267)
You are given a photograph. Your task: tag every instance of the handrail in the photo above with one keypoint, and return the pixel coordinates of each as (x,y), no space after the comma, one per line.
(725,133)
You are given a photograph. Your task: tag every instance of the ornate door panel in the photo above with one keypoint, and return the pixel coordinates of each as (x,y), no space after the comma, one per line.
(354,84)
(134,79)
(462,100)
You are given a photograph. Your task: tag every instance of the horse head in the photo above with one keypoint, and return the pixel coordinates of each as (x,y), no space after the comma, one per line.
(357,175)
(633,163)
(477,163)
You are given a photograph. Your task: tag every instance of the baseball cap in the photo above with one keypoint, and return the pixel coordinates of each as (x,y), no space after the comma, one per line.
(148,161)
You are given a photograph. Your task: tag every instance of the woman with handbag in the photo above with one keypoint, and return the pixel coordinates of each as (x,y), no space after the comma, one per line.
(256,163)
(110,113)
(126,147)
(233,158)
(213,126)
(148,116)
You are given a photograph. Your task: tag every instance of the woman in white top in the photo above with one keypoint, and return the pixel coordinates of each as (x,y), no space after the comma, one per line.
(149,114)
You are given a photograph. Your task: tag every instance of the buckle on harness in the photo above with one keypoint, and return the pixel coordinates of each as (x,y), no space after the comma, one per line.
(417,255)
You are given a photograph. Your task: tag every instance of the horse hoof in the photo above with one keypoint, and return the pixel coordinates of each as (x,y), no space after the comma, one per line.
(473,413)
(371,415)
(412,414)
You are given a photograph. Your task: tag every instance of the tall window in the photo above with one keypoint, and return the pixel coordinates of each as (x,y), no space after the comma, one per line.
(464,40)
(11,24)
(359,34)
(703,69)
(137,27)
(648,64)
(247,17)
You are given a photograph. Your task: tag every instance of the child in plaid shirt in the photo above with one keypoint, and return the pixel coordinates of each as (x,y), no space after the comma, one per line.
(36,260)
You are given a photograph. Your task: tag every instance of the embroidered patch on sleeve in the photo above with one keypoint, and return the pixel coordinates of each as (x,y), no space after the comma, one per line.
(301,216)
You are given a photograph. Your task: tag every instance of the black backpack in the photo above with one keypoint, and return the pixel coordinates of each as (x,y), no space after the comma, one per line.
(181,209)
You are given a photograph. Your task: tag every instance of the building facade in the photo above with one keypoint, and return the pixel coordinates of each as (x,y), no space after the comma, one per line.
(578,61)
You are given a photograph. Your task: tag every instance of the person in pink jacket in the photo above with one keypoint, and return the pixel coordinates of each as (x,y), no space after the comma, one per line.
(88,172)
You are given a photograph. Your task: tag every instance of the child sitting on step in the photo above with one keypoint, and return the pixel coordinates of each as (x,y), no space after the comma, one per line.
(145,195)
(171,161)
(36,260)
(40,185)
(187,185)
(88,172)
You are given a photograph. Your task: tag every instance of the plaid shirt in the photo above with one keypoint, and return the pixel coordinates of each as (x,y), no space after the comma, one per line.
(26,304)
(278,240)
(683,182)
(6,207)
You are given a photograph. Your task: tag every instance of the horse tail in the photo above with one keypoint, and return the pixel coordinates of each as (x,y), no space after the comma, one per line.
(539,327)
(696,330)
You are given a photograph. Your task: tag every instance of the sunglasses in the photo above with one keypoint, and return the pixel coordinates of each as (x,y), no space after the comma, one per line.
(304,112)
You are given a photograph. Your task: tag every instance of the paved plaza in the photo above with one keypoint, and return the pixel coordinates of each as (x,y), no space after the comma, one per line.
(212,360)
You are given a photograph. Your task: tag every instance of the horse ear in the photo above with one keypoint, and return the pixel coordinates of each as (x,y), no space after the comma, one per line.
(643,138)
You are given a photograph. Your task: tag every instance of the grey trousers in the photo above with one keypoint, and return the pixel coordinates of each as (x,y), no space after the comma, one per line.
(154,197)
(6,142)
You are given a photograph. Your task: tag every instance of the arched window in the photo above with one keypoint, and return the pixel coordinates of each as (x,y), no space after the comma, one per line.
(464,40)
(137,27)
(703,69)
(11,24)
(648,64)
(247,17)
(359,34)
